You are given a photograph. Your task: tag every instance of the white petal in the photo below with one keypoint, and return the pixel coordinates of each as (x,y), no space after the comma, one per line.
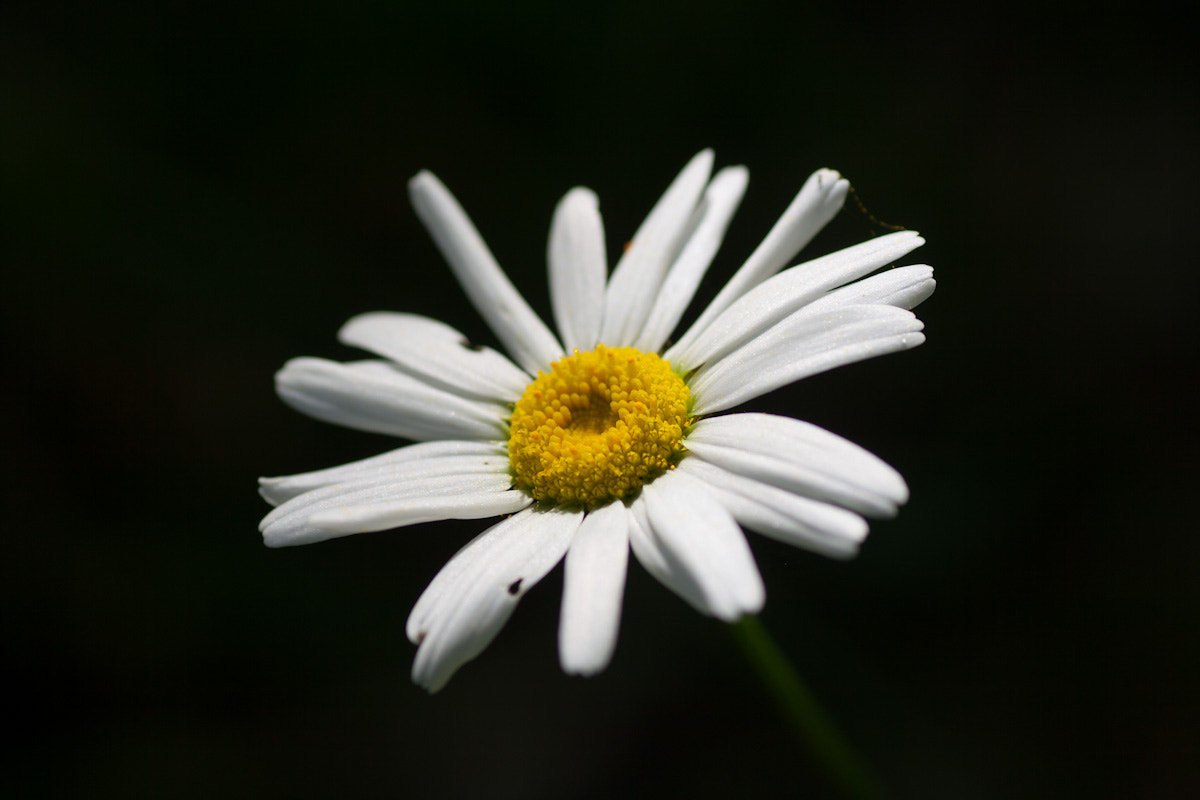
(817,202)
(773,300)
(484,499)
(639,273)
(650,556)
(803,344)
(403,479)
(699,535)
(780,514)
(378,505)
(484,455)
(469,601)
(477,503)
(374,396)
(903,287)
(438,355)
(524,335)
(594,582)
(802,458)
(721,200)
(578,267)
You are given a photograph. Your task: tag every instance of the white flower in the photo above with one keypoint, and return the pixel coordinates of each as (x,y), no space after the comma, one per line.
(623,444)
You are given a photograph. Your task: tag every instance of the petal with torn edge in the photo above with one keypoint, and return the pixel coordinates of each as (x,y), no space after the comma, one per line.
(469,601)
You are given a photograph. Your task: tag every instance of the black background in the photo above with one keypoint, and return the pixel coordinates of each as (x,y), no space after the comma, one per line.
(193,193)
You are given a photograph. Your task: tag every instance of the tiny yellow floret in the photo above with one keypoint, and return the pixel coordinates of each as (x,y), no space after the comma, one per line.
(598,426)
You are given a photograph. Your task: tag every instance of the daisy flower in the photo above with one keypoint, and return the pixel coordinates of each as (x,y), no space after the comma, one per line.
(605,440)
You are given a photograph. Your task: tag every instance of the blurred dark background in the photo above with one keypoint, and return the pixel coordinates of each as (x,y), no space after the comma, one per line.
(194,192)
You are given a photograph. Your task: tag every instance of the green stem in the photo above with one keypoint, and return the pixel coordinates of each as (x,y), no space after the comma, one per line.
(808,720)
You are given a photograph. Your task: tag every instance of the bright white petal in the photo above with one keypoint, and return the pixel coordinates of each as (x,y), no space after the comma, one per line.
(721,200)
(524,335)
(378,505)
(818,201)
(699,535)
(578,267)
(475,554)
(469,601)
(483,455)
(802,458)
(903,287)
(594,583)
(438,355)
(645,547)
(374,396)
(484,499)
(803,344)
(639,273)
(403,479)
(773,300)
(780,514)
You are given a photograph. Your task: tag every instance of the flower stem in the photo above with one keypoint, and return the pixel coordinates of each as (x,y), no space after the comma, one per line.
(809,722)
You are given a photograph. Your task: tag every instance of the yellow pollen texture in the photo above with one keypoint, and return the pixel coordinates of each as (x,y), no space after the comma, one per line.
(598,426)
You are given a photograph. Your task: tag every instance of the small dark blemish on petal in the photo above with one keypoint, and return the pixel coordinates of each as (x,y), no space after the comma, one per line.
(468,344)
(515,586)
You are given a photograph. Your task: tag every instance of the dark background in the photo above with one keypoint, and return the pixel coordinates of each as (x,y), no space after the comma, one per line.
(193,193)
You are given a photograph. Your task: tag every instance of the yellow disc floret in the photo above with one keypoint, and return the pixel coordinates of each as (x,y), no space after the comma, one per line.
(598,426)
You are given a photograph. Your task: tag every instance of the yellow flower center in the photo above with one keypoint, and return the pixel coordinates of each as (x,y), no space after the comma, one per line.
(598,426)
